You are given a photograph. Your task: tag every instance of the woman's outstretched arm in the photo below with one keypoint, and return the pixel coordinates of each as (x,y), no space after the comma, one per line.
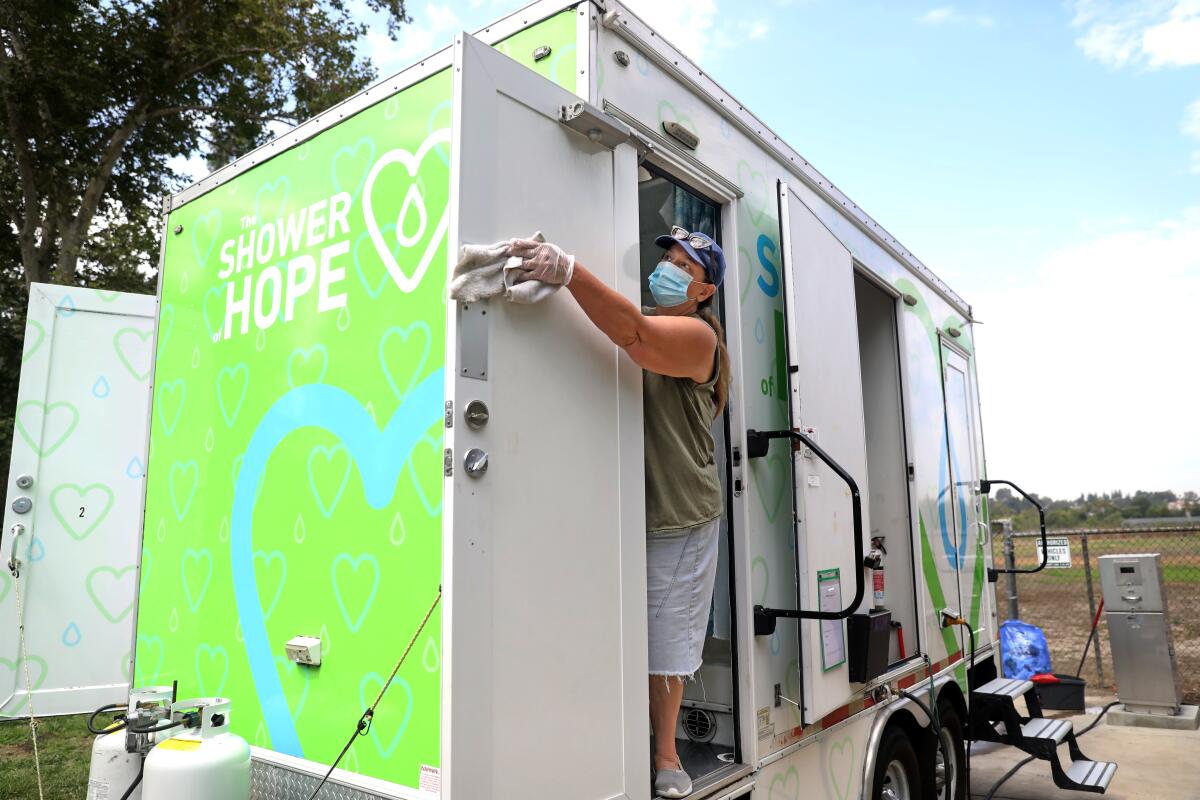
(681,347)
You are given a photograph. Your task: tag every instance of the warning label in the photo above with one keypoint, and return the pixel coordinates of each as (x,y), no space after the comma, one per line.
(431,779)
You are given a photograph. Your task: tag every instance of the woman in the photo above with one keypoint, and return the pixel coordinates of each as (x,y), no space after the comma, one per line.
(679,345)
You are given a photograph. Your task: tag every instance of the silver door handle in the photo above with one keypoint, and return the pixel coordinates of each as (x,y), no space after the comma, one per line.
(1131,598)
(14,563)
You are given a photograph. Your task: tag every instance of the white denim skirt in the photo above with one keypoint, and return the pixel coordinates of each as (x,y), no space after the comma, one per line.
(681,568)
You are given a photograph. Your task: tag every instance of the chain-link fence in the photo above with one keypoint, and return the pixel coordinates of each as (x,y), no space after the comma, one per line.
(1063,600)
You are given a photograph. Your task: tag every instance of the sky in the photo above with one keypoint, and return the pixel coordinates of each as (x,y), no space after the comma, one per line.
(1042,157)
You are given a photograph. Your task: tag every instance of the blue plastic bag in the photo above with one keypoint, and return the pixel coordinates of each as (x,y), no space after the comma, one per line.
(1023,650)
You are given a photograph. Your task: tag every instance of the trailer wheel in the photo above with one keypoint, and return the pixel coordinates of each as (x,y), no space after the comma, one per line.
(897,771)
(949,756)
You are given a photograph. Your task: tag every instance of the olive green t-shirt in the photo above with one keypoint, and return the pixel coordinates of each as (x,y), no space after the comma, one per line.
(682,486)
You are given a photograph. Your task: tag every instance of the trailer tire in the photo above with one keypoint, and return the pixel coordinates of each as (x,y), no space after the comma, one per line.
(952,737)
(897,770)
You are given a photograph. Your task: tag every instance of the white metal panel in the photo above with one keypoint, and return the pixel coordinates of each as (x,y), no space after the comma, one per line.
(961,499)
(80,436)
(825,381)
(545,686)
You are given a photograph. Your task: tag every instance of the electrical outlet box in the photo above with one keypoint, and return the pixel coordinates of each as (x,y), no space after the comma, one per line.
(304,650)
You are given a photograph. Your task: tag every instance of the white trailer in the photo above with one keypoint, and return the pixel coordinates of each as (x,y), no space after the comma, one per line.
(322,415)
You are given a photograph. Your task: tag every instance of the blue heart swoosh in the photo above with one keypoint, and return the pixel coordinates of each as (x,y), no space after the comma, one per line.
(380,457)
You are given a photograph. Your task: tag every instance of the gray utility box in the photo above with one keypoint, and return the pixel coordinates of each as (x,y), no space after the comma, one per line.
(1139,630)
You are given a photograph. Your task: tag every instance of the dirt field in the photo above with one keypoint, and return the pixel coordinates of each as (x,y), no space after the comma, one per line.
(1056,600)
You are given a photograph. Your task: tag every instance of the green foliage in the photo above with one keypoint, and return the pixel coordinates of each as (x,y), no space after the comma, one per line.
(1092,510)
(97,97)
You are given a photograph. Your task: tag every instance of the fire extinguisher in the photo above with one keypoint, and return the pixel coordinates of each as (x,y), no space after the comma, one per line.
(874,562)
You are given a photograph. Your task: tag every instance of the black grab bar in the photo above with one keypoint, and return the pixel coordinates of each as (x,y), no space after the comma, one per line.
(985,486)
(757,444)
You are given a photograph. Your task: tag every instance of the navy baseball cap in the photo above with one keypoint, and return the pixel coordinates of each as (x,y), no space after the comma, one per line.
(701,247)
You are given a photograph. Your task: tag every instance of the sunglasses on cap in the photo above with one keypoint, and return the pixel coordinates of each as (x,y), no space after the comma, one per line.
(696,240)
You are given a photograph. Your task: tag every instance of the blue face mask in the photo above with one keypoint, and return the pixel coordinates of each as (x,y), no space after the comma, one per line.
(669,284)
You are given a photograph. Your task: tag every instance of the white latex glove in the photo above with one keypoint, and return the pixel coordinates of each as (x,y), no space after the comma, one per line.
(542,261)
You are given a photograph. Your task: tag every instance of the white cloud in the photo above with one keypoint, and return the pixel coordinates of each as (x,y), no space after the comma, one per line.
(936,16)
(1190,127)
(1191,121)
(431,29)
(1097,344)
(1149,33)
(687,24)
(945,15)
(691,27)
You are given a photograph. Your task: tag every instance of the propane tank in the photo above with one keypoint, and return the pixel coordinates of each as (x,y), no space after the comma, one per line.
(117,756)
(204,762)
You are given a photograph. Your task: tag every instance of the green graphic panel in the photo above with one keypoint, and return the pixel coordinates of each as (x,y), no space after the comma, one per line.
(295,469)
(295,472)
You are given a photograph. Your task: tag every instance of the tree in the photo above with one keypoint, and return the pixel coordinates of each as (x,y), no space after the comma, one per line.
(96,97)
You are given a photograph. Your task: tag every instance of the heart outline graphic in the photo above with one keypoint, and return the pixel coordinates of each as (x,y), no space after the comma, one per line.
(81,493)
(842,790)
(305,354)
(144,643)
(183,467)
(270,188)
(404,334)
(99,603)
(15,665)
(144,336)
(47,410)
(170,421)
(350,151)
(208,325)
(194,599)
(755,211)
(354,563)
(209,223)
(774,480)
(380,456)
(28,349)
(327,509)
(227,373)
(412,163)
(375,677)
(210,652)
(267,559)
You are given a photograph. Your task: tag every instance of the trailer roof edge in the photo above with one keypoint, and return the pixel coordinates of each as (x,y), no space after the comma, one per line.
(673,60)
(381,89)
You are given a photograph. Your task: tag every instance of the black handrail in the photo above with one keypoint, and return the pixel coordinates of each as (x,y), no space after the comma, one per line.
(757,444)
(985,486)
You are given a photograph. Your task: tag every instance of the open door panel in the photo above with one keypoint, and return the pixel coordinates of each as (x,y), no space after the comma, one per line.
(825,401)
(545,551)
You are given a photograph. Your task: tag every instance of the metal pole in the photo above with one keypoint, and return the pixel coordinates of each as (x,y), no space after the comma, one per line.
(1010,563)
(1087,571)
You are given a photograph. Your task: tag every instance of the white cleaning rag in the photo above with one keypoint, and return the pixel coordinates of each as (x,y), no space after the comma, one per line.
(484,270)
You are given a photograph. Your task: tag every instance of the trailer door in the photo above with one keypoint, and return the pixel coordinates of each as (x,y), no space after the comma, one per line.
(958,498)
(71,519)
(825,399)
(545,687)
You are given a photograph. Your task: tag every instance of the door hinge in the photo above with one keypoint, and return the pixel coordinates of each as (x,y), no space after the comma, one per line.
(448,462)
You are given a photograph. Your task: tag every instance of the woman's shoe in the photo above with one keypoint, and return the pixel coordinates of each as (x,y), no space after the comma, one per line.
(672,783)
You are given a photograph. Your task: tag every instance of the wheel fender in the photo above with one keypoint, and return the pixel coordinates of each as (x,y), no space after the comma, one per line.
(885,716)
